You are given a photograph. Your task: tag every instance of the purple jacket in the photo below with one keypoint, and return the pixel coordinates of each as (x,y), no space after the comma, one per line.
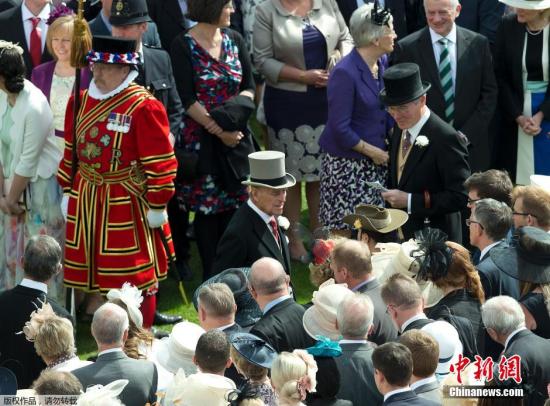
(355,112)
(42,76)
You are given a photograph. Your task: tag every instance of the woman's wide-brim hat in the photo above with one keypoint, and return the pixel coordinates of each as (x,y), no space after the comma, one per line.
(267,169)
(320,319)
(114,51)
(254,349)
(529,260)
(403,84)
(450,346)
(248,312)
(177,350)
(528,4)
(369,217)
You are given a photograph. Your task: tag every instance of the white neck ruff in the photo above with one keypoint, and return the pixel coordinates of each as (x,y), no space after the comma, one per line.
(95,93)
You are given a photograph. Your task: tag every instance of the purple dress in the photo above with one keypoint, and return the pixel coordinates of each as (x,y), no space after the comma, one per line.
(296,120)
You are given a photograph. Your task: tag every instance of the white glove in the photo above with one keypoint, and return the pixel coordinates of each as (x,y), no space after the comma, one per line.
(65,206)
(157,218)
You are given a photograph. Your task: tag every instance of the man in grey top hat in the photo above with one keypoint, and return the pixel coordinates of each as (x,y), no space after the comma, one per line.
(255,229)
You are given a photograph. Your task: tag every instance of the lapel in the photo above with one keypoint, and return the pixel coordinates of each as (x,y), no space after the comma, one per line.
(173,10)
(266,237)
(462,44)
(415,155)
(48,79)
(365,72)
(429,64)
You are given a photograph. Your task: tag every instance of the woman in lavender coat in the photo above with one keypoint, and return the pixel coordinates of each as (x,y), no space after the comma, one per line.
(354,142)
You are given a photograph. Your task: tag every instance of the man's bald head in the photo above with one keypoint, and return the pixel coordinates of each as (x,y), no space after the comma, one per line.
(268,277)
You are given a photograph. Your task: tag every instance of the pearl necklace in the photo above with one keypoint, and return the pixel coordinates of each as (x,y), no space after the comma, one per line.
(533,33)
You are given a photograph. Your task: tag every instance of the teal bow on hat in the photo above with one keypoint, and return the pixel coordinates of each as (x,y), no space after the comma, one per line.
(324,347)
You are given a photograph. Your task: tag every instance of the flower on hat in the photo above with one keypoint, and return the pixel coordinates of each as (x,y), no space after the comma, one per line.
(38,318)
(132,298)
(422,141)
(357,224)
(60,10)
(306,383)
(322,250)
(283,222)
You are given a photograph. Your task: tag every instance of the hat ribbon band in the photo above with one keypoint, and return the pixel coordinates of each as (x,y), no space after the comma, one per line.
(379,223)
(531,257)
(447,359)
(271,182)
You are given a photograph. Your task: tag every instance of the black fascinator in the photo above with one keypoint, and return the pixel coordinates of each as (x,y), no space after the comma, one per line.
(380,16)
(433,255)
(246,391)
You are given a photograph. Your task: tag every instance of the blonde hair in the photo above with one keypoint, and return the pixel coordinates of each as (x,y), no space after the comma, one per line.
(54,338)
(65,22)
(288,369)
(253,372)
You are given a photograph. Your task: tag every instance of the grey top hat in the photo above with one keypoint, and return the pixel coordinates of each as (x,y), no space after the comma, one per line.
(529,260)
(267,169)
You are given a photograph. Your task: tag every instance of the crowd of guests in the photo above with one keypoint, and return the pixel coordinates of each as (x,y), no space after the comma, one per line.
(456,267)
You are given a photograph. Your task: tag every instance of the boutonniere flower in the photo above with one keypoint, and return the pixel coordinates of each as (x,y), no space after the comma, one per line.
(422,141)
(283,222)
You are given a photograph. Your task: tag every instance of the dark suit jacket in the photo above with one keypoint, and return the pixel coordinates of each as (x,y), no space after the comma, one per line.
(384,330)
(431,391)
(282,327)
(142,376)
(159,80)
(508,68)
(408,15)
(475,87)
(408,398)
(494,281)
(482,16)
(7,4)
(535,365)
(357,375)
(440,168)
(11,29)
(150,37)
(16,353)
(246,239)
(169,19)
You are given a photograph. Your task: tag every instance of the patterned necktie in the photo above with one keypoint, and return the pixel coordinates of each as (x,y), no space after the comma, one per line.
(35,47)
(274,229)
(406,145)
(446,78)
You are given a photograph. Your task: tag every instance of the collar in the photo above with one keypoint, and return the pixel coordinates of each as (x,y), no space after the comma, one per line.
(486,250)
(109,351)
(221,328)
(369,279)
(513,333)
(415,129)
(395,392)
(419,316)
(451,36)
(422,382)
(43,15)
(34,285)
(106,21)
(265,217)
(344,341)
(274,303)
(95,93)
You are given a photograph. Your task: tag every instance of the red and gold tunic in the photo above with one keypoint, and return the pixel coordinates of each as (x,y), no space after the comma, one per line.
(126,166)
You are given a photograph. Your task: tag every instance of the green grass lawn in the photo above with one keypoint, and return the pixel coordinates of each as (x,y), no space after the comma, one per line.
(171,302)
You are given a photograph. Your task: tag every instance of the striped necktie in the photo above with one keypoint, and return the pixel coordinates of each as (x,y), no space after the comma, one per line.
(446,78)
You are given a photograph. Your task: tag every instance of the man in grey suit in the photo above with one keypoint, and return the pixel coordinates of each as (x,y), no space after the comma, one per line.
(110,330)
(458,64)
(354,317)
(425,350)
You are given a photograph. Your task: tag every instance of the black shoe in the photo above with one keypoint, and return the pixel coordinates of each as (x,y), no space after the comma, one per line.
(184,270)
(158,333)
(166,318)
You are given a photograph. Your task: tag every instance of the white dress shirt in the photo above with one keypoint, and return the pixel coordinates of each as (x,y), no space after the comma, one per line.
(486,250)
(451,37)
(42,26)
(34,285)
(413,318)
(395,392)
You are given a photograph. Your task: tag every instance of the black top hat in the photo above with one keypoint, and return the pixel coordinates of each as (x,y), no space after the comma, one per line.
(254,349)
(529,260)
(126,12)
(402,84)
(106,49)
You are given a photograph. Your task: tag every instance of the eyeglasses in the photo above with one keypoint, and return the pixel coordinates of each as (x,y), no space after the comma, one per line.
(517,213)
(470,222)
(472,201)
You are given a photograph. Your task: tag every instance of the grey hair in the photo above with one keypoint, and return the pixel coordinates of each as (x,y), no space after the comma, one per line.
(503,314)
(454,3)
(109,324)
(42,258)
(494,216)
(363,31)
(355,315)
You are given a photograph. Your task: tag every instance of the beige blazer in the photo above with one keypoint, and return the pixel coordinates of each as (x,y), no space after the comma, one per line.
(278,38)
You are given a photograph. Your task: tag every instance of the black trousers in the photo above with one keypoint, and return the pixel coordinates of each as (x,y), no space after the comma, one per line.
(209,229)
(179,222)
